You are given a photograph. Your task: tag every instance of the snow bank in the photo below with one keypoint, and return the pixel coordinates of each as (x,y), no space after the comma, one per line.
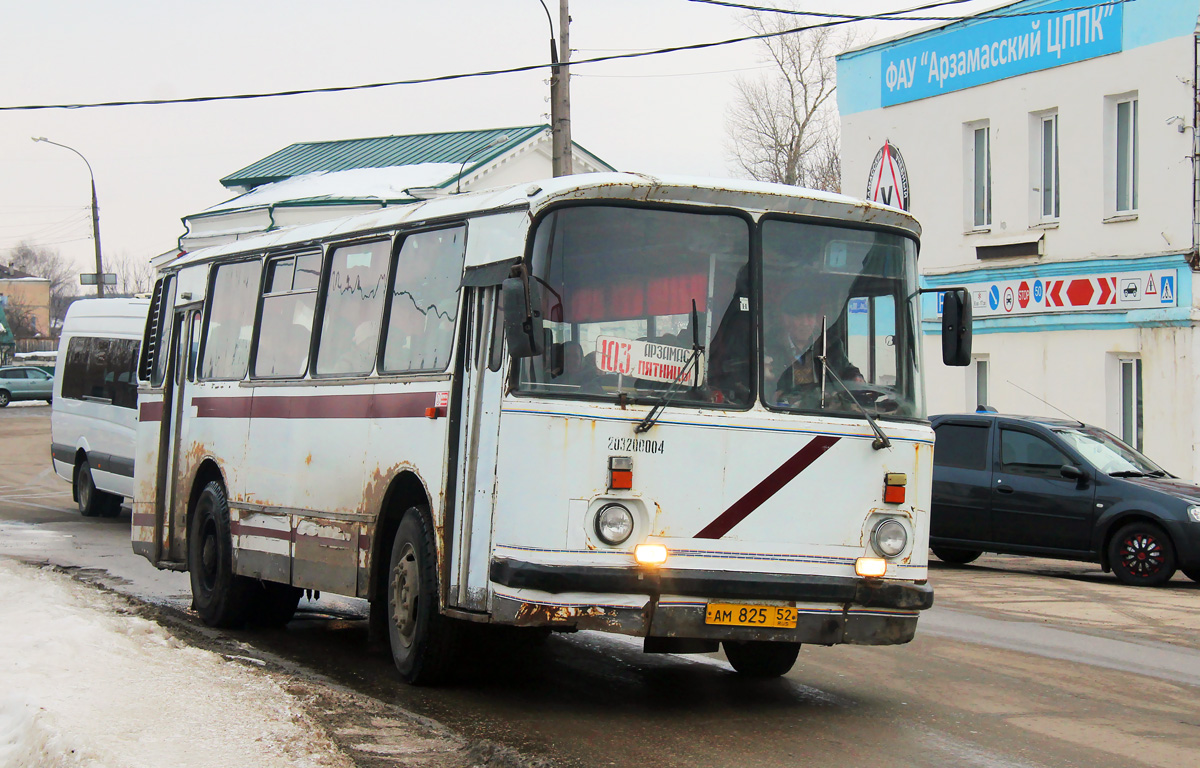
(84,684)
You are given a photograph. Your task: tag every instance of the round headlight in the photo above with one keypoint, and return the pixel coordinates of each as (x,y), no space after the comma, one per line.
(614,524)
(889,538)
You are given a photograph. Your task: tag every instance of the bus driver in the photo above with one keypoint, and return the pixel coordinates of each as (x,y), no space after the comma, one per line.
(801,313)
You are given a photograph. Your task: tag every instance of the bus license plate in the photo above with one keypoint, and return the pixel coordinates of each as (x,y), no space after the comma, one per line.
(738,615)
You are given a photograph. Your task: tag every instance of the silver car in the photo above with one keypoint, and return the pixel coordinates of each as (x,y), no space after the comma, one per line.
(25,382)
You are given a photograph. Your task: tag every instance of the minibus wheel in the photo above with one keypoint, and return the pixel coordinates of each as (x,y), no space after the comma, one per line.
(424,643)
(758,658)
(218,596)
(92,501)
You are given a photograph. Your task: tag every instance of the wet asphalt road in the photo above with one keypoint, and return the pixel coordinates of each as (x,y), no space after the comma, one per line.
(1023,662)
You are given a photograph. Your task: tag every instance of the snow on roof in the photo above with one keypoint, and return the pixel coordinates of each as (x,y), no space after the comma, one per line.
(353,185)
(598,186)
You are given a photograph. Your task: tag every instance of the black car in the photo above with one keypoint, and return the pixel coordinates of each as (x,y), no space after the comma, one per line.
(1055,488)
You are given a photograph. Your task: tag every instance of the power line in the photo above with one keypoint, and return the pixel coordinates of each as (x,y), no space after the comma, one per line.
(833,20)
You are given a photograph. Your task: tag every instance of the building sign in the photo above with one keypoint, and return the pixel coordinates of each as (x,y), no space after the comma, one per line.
(888,183)
(1016,40)
(1079,293)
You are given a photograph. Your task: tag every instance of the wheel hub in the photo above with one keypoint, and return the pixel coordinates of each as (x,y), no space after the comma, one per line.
(1143,556)
(405,595)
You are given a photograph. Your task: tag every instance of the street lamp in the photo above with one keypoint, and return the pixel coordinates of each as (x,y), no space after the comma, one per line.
(95,213)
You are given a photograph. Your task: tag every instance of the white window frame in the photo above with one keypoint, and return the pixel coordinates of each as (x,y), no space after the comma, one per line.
(1122,156)
(1129,399)
(977,192)
(1049,178)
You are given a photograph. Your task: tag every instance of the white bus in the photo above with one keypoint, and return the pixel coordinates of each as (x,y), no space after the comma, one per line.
(574,404)
(93,417)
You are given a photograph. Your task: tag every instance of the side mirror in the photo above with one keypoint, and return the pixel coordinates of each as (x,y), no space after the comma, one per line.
(956,327)
(1071,473)
(523,317)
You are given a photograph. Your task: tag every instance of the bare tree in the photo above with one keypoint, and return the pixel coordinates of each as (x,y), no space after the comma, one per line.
(134,275)
(47,263)
(22,320)
(783,127)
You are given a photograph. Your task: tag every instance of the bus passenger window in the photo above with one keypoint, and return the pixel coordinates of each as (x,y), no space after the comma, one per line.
(285,328)
(353,308)
(230,319)
(424,300)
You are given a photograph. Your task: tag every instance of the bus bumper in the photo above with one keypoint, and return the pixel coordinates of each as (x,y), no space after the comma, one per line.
(831,609)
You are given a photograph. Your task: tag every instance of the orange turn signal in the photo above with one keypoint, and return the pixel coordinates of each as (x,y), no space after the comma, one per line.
(620,473)
(894,484)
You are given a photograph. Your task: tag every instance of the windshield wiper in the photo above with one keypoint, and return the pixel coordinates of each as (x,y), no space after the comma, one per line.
(881,440)
(1130,473)
(668,395)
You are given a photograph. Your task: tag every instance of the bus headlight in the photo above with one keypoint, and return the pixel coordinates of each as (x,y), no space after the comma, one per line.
(614,524)
(889,538)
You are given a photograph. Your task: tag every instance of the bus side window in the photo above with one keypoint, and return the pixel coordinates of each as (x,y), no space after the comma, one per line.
(285,326)
(226,353)
(353,308)
(424,299)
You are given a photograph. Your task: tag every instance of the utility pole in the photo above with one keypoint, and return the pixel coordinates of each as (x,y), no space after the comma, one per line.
(562,123)
(95,213)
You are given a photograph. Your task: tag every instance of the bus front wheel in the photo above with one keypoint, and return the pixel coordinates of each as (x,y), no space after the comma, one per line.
(424,643)
(220,598)
(756,658)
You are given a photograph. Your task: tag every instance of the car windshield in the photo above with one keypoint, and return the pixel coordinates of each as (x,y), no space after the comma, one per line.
(1108,454)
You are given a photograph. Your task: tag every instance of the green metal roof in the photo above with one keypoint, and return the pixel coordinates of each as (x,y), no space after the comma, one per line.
(381,152)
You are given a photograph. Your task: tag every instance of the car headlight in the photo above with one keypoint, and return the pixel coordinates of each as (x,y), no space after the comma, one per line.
(889,537)
(1194,513)
(614,524)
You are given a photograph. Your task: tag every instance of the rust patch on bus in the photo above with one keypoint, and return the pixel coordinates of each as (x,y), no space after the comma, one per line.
(308,459)
(586,617)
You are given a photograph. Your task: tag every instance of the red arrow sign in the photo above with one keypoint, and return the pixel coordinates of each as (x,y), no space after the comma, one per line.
(1053,299)
(1108,290)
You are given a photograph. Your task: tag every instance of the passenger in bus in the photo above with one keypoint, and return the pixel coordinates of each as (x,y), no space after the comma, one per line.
(799,382)
(578,370)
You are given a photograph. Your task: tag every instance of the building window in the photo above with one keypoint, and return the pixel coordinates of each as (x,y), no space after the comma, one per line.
(981,381)
(1048,168)
(1127,155)
(981,177)
(1131,401)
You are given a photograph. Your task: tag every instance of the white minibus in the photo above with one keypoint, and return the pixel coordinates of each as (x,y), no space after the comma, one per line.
(93,421)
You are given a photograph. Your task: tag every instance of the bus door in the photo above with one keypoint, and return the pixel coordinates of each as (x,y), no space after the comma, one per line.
(170,509)
(479,429)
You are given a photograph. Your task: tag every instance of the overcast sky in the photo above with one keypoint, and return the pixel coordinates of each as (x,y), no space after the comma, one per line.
(155,164)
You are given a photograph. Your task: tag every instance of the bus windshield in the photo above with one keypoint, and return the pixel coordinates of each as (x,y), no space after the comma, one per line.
(630,296)
(839,304)
(640,301)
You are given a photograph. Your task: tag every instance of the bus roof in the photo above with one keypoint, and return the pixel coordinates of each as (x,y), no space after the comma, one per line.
(534,196)
(122,307)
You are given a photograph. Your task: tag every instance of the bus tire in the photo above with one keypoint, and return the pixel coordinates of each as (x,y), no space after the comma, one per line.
(758,658)
(424,643)
(273,605)
(220,598)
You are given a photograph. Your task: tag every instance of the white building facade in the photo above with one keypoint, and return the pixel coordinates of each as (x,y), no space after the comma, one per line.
(1048,150)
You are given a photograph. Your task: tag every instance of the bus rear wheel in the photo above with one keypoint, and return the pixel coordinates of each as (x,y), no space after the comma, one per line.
(757,658)
(219,597)
(424,643)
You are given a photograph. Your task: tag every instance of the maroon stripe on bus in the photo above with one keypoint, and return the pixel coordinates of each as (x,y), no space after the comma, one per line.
(150,411)
(771,485)
(395,405)
(241,529)
(143,521)
(222,407)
